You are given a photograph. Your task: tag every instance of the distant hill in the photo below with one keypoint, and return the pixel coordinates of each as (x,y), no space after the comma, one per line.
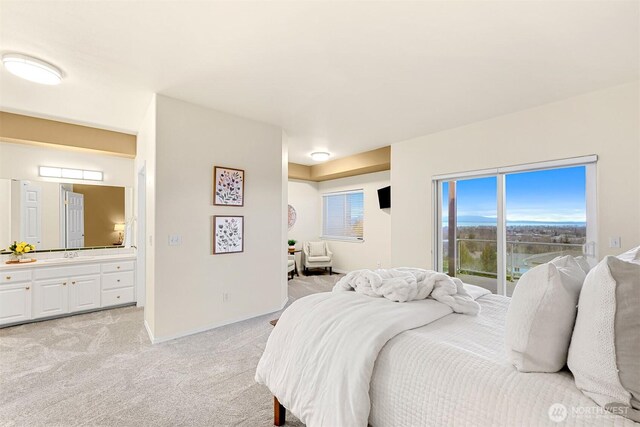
(477,220)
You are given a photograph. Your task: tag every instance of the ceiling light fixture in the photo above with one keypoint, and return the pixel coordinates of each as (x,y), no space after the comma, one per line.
(54,172)
(320,156)
(32,69)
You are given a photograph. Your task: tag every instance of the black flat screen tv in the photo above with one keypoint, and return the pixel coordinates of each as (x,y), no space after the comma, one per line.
(384,197)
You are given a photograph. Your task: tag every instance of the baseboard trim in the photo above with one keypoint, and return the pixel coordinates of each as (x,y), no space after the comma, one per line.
(158,340)
(146,326)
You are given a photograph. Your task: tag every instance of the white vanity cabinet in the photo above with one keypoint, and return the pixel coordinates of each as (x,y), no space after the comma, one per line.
(15,296)
(57,288)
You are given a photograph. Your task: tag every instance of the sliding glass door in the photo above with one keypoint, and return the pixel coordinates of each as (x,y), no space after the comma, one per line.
(494,225)
(469,230)
(546,215)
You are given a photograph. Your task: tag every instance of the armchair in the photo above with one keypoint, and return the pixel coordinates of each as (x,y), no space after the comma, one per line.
(291,265)
(317,255)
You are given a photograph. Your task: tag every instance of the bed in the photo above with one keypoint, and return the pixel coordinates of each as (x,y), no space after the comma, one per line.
(454,371)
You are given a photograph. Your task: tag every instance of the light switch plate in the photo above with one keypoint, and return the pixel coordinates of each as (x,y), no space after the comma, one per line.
(614,242)
(175,240)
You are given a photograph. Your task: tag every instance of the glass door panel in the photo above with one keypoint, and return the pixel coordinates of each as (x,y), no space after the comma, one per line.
(545,218)
(469,230)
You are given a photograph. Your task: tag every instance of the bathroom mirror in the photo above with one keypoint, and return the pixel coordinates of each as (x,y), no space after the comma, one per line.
(53,215)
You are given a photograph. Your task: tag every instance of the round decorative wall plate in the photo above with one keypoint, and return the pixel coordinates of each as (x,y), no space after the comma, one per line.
(292,216)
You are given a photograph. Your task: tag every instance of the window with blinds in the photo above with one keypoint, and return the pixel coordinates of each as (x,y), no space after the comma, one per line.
(343,215)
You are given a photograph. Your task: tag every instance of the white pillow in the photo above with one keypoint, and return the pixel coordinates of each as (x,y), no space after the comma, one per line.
(541,315)
(605,348)
(583,262)
(632,255)
(316,249)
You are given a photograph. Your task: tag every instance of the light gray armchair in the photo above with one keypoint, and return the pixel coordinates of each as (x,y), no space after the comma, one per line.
(291,265)
(317,255)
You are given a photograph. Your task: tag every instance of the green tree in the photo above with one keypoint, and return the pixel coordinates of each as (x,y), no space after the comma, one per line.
(465,256)
(489,260)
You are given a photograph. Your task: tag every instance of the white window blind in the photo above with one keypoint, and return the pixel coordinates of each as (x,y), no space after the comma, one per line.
(343,215)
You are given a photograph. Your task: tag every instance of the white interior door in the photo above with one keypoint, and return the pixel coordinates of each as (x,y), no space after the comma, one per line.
(31,213)
(74,220)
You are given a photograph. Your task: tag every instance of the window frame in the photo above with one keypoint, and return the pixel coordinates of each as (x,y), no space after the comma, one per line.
(590,248)
(323,236)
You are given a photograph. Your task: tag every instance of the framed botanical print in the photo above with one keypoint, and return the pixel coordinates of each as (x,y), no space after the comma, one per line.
(228,234)
(228,186)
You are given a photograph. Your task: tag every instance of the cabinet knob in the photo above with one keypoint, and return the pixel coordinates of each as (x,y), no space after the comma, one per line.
(64,284)
(73,283)
(8,277)
(118,267)
(118,280)
(118,296)
(27,288)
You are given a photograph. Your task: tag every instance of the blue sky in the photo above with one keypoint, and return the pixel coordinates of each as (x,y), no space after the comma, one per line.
(556,195)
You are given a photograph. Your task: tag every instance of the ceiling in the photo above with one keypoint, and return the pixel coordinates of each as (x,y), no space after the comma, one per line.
(339,76)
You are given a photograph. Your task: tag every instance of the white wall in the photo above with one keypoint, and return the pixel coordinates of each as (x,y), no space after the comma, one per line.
(146,160)
(5,213)
(606,123)
(375,250)
(189,281)
(21,161)
(304,196)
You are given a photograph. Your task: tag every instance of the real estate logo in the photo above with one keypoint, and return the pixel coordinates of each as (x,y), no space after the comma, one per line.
(558,412)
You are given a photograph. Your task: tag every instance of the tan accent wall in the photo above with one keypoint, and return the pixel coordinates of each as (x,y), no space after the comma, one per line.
(33,130)
(103,207)
(358,164)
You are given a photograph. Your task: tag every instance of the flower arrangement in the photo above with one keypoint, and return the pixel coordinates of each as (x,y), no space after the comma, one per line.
(21,248)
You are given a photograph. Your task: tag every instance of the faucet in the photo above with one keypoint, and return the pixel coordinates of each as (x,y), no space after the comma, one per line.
(72,254)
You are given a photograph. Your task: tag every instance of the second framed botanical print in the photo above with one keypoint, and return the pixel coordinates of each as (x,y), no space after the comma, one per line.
(228,234)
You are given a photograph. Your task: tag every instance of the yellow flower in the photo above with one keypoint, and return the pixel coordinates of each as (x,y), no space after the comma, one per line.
(27,249)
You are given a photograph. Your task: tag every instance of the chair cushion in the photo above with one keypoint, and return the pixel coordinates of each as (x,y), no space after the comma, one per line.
(604,356)
(317,249)
(322,258)
(541,315)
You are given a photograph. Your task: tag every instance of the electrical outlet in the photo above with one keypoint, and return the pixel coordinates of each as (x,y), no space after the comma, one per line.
(614,242)
(225,297)
(378,264)
(175,240)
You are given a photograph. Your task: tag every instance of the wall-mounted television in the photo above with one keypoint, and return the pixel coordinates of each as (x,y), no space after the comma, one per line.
(384,197)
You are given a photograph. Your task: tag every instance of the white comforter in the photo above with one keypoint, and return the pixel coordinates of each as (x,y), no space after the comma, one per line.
(455,372)
(409,284)
(319,358)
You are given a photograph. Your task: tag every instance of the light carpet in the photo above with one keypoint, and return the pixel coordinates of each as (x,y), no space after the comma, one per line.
(101,369)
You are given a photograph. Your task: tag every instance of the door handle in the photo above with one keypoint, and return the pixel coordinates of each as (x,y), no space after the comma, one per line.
(27,288)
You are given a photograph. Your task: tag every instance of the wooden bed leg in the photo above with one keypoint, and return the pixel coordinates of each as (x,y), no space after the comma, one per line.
(278,413)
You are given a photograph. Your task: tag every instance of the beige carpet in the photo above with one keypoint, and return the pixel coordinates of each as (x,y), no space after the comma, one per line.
(100,369)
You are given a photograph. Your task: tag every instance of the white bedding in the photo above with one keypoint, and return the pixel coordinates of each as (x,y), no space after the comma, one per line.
(455,372)
(318,360)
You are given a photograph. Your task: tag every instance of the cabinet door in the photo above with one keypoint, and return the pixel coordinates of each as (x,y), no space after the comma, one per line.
(84,293)
(50,298)
(15,302)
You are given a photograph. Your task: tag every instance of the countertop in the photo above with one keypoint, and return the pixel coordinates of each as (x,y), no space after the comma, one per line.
(51,262)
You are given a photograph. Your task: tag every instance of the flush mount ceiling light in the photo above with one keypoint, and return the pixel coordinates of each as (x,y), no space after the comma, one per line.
(32,69)
(320,156)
